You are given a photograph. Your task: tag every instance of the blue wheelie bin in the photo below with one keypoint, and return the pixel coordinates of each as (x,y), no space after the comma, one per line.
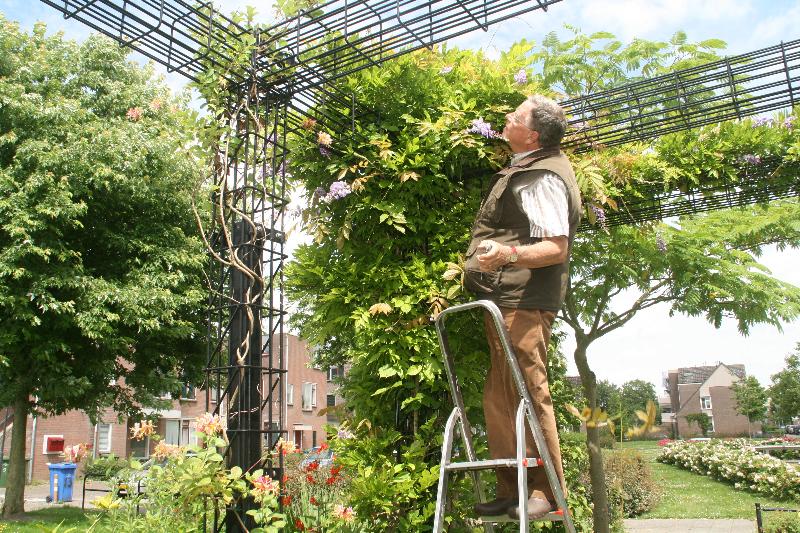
(66,478)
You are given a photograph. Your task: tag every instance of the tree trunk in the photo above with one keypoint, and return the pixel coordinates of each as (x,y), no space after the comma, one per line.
(15,483)
(600,514)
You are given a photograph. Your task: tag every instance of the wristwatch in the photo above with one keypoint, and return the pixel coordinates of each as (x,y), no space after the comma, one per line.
(512,258)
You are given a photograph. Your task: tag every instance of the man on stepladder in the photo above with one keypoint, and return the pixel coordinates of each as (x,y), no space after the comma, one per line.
(519,258)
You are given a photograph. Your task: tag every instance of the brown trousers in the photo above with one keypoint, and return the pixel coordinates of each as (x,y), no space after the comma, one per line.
(530,333)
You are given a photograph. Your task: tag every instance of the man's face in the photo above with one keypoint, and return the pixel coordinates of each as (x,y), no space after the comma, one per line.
(519,136)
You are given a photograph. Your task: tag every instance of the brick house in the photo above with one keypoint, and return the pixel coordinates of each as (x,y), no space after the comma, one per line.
(307,391)
(703,389)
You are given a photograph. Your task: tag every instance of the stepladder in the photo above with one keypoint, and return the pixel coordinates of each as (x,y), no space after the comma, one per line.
(458,426)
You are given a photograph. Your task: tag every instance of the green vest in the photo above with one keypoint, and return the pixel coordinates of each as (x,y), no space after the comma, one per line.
(501,219)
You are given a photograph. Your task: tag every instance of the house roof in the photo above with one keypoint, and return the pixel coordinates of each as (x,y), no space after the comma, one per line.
(699,374)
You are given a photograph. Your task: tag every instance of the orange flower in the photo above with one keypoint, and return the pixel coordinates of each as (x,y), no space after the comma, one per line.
(309,124)
(299,524)
(286,500)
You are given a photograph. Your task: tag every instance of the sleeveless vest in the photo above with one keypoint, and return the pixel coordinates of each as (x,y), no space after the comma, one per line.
(501,219)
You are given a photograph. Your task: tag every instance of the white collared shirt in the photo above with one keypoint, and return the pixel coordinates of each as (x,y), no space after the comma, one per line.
(544,201)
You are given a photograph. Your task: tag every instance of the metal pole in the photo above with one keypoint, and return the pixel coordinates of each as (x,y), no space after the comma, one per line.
(759,518)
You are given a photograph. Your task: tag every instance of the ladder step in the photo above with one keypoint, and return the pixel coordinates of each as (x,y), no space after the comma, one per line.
(493,463)
(555,516)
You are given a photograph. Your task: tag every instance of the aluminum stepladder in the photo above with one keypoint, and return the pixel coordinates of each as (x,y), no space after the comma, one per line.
(524,412)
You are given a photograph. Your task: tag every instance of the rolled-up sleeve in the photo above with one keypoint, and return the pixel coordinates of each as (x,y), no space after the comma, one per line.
(545,203)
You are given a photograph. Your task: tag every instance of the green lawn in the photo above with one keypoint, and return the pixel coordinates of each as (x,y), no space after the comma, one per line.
(48,520)
(689,495)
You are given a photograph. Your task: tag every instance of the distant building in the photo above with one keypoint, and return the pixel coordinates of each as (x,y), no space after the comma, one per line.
(703,389)
(307,390)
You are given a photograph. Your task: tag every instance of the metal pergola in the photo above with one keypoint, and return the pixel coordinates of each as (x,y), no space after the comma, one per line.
(296,66)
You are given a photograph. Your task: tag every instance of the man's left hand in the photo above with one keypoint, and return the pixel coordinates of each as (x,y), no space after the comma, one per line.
(496,257)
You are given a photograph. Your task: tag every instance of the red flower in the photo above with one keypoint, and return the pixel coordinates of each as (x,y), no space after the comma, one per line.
(285,478)
(331,480)
(313,501)
(335,470)
(323,446)
(310,478)
(286,500)
(313,465)
(299,524)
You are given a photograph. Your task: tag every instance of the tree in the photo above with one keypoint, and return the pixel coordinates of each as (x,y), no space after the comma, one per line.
(635,396)
(784,392)
(751,400)
(100,268)
(702,420)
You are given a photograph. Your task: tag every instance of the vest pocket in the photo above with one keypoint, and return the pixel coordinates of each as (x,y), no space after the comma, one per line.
(477,281)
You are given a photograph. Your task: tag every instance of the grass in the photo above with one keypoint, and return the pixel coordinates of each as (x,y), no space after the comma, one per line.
(689,495)
(71,519)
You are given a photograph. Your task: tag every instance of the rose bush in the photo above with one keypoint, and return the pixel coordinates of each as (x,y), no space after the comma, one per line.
(736,461)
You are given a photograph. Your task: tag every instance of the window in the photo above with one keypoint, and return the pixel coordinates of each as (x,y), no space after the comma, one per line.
(335,372)
(103,438)
(309,396)
(289,394)
(213,394)
(331,400)
(705,402)
(313,439)
(188,392)
(172,432)
(187,434)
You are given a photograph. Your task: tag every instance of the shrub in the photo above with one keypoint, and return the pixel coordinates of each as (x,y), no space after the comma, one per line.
(104,467)
(737,462)
(631,489)
(782,522)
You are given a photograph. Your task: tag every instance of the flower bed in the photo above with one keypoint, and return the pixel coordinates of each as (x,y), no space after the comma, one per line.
(781,441)
(736,461)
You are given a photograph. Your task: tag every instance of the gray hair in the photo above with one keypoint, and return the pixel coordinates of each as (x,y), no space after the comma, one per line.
(548,119)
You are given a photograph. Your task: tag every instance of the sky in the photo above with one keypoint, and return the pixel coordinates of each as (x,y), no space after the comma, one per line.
(652,342)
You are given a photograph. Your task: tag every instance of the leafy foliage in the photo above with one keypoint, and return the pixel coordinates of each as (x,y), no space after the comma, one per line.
(751,399)
(702,420)
(785,390)
(100,269)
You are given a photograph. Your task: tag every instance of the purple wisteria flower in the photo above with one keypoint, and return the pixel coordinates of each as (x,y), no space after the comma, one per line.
(521,77)
(762,121)
(446,70)
(483,128)
(319,192)
(751,159)
(788,122)
(325,151)
(660,243)
(338,190)
(344,434)
(599,214)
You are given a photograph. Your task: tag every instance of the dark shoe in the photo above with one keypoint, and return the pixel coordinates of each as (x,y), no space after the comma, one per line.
(537,508)
(496,507)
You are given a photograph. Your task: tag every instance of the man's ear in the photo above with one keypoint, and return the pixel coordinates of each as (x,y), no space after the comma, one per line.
(533,136)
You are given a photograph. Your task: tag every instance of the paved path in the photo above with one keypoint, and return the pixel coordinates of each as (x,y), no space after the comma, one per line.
(690,526)
(35,496)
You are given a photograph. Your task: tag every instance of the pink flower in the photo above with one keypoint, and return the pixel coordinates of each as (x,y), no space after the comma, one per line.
(210,425)
(134,113)
(156,104)
(75,453)
(265,485)
(343,513)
